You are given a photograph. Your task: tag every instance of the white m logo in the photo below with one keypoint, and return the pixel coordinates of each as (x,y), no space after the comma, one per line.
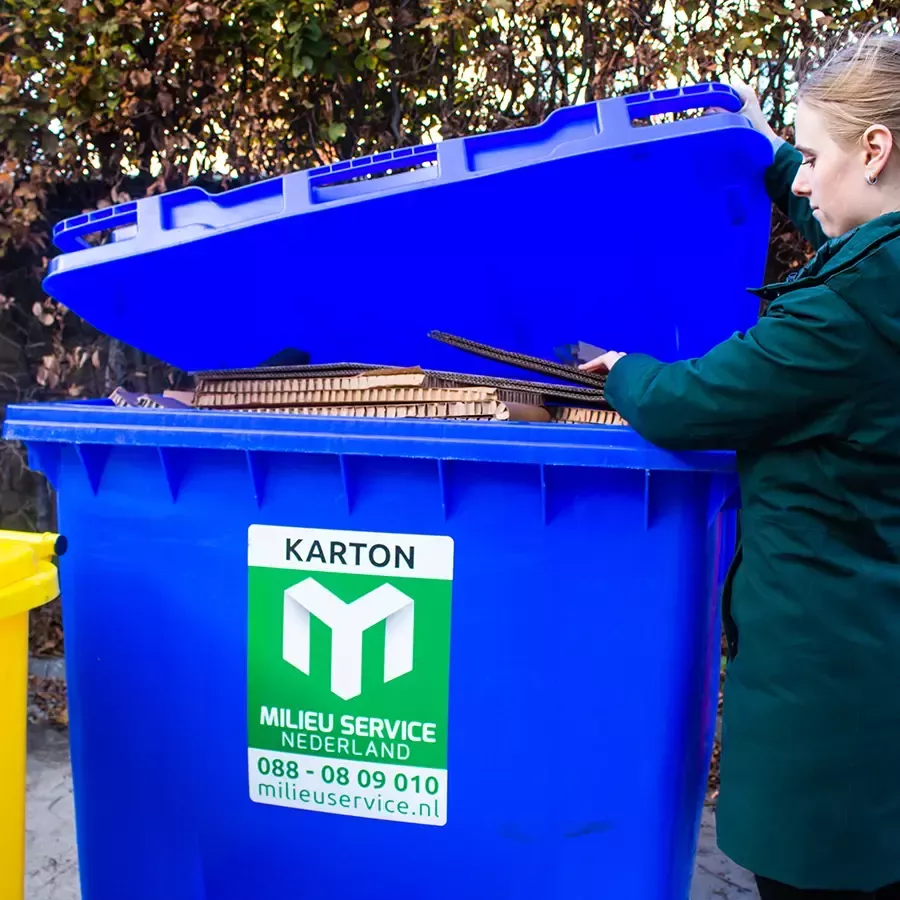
(347,622)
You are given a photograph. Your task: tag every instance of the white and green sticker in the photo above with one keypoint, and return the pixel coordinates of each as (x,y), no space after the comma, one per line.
(348,672)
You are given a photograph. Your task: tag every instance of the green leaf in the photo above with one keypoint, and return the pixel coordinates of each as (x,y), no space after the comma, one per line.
(336,131)
(382,43)
(318,49)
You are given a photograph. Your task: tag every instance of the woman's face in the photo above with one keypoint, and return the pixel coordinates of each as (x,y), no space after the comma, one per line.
(833,176)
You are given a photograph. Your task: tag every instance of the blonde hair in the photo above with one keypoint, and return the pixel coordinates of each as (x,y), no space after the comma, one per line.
(858,86)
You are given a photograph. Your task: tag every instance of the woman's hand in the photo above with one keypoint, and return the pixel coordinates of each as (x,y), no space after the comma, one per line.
(753,111)
(602,363)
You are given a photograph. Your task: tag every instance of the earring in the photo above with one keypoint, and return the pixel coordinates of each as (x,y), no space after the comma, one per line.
(870,178)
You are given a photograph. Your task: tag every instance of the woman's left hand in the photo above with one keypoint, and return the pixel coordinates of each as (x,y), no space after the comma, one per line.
(602,363)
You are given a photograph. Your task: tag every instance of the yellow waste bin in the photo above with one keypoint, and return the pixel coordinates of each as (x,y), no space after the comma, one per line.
(28,578)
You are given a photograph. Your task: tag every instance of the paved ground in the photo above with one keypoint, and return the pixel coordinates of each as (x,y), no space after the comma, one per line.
(52,869)
(716,877)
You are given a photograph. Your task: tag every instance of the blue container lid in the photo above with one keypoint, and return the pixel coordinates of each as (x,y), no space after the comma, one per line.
(584,227)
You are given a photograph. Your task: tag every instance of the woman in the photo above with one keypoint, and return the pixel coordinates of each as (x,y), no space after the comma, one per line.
(810,400)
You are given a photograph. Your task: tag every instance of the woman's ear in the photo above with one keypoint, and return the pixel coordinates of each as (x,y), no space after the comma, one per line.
(877,144)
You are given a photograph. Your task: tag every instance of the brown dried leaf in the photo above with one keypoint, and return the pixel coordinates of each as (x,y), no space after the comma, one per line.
(158,187)
(47,699)
(166,102)
(141,78)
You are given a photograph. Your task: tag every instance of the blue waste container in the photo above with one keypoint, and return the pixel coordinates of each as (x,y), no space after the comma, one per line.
(591,226)
(366,660)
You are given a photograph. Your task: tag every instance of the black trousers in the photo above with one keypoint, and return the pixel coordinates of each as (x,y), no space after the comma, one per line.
(772,890)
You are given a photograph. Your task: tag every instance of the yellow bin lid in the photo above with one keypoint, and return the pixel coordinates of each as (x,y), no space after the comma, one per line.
(27,577)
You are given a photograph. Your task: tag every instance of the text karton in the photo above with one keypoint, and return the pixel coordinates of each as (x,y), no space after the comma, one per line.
(348,672)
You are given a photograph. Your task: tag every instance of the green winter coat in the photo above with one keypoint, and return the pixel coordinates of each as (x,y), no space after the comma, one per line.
(809,398)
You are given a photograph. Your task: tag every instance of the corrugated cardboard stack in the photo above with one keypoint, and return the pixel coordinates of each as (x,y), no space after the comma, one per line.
(382,394)
(398,393)
(360,390)
(579,415)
